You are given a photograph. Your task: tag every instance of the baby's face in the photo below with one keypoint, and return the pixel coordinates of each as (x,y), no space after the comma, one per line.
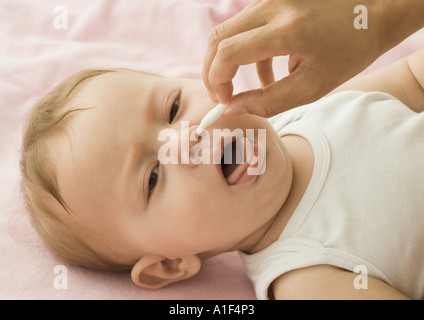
(111,177)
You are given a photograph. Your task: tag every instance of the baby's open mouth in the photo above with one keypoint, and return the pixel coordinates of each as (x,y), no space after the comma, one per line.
(229,165)
(235,159)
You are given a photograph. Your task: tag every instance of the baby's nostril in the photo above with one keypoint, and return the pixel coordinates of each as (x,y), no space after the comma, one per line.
(198,136)
(195,134)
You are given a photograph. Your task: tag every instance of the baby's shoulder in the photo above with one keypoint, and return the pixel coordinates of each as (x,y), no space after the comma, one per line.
(330,282)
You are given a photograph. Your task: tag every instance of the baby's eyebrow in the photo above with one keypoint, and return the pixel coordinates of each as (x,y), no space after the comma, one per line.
(153,95)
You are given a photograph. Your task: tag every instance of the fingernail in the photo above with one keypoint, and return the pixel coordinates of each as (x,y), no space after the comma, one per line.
(231,111)
(212,96)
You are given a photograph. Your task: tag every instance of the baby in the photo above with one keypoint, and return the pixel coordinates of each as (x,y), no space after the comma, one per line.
(342,189)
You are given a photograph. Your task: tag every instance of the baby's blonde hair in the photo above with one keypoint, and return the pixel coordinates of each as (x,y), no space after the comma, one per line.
(50,216)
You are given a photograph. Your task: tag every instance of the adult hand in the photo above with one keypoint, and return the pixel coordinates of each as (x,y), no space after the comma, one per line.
(320,37)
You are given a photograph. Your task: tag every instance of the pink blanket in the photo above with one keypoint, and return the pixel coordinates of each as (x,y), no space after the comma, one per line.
(42,42)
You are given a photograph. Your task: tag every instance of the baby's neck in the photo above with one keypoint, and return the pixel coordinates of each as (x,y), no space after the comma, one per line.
(302,158)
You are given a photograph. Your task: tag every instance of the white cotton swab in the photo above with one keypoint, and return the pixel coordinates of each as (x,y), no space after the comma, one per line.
(210,118)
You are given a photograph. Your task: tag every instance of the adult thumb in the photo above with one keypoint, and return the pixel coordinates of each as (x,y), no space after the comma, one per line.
(296,89)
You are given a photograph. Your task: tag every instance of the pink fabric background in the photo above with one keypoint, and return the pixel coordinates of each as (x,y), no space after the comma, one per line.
(161,36)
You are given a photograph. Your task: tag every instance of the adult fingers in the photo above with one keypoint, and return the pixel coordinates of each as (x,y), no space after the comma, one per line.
(265,72)
(299,88)
(251,46)
(249,18)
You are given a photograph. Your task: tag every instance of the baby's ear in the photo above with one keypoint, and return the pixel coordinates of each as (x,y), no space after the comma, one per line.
(154,272)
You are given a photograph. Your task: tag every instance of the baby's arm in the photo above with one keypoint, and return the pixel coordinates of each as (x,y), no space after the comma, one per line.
(330,283)
(404,80)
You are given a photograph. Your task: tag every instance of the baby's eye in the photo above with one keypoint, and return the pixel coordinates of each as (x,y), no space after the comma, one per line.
(153,178)
(174,109)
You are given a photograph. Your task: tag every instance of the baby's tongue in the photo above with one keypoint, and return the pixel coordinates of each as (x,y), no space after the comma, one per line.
(229,159)
(233,170)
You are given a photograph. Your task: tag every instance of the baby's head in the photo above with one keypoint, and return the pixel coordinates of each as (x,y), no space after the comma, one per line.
(100,197)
